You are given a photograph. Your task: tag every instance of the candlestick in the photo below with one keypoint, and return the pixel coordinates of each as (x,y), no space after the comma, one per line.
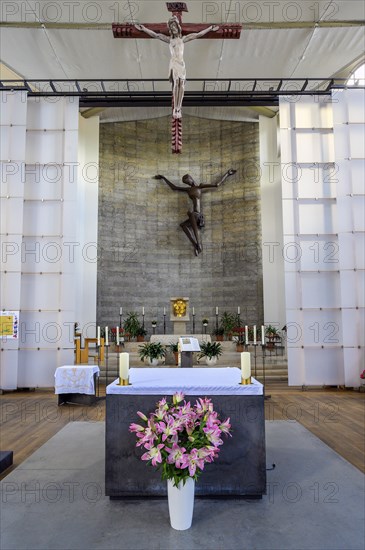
(98,336)
(238,310)
(117,336)
(254,335)
(263,335)
(106,336)
(123,368)
(245,367)
(246,335)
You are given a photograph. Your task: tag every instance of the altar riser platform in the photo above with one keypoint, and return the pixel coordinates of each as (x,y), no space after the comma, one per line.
(276,367)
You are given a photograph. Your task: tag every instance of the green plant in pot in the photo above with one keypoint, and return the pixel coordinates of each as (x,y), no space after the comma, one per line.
(132,324)
(152,351)
(141,333)
(173,347)
(228,322)
(272,335)
(219,333)
(211,351)
(272,332)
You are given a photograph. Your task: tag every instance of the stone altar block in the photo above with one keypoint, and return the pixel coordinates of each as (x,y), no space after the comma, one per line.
(240,469)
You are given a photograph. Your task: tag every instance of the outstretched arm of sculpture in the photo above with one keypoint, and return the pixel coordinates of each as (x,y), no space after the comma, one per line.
(153,34)
(170,184)
(226,175)
(195,35)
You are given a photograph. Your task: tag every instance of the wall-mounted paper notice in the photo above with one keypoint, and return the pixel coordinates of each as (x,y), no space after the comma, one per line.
(9,324)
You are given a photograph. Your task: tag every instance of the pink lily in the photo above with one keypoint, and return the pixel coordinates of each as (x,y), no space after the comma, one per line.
(176,455)
(154,454)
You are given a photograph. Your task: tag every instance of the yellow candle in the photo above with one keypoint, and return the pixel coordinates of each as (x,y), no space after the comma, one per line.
(124,365)
(245,365)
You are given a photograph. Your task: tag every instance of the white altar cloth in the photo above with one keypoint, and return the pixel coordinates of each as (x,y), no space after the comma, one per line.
(167,339)
(195,381)
(76,379)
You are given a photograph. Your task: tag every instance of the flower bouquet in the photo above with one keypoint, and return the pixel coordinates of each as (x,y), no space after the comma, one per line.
(181,438)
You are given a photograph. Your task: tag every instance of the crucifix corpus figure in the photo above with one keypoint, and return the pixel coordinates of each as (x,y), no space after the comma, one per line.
(195,220)
(177,71)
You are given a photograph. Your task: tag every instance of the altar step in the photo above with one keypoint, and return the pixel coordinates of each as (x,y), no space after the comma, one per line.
(276,368)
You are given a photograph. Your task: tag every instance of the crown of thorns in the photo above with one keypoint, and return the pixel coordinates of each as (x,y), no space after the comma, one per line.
(174,19)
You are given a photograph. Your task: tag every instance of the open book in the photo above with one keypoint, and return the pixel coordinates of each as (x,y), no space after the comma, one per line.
(189,344)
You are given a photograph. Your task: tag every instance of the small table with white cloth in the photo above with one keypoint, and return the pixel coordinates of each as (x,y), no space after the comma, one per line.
(240,469)
(76,384)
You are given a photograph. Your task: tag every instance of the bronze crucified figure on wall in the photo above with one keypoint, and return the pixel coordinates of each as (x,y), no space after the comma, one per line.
(195,220)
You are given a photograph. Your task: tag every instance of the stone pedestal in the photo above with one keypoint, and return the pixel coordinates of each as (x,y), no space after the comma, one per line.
(186,359)
(179,328)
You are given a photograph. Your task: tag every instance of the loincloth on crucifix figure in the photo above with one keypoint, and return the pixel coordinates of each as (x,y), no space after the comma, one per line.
(195,221)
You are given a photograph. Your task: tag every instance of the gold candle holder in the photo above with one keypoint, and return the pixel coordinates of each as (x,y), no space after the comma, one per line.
(246,381)
(123,382)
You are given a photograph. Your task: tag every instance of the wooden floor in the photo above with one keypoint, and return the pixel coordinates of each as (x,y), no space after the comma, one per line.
(29,419)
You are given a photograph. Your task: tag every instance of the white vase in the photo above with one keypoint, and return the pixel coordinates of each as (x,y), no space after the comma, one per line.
(153,362)
(181,503)
(210,361)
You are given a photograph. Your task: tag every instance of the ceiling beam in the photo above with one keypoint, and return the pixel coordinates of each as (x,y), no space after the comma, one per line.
(246,26)
(95,111)
(264,111)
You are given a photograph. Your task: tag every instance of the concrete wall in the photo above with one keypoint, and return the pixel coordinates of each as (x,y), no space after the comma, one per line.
(144,256)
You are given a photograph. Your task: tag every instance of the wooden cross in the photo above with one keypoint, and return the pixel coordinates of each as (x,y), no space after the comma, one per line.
(161,30)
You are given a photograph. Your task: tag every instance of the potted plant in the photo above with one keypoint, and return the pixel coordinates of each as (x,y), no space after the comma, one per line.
(219,333)
(132,324)
(240,342)
(154,324)
(153,351)
(174,348)
(272,335)
(180,438)
(228,322)
(211,351)
(141,333)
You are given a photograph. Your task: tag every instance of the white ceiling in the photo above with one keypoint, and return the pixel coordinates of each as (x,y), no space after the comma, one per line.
(83,47)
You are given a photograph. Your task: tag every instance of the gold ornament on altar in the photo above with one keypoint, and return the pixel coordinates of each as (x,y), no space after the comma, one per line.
(179,307)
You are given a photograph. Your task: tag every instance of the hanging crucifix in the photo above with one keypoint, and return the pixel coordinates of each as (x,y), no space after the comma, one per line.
(176,34)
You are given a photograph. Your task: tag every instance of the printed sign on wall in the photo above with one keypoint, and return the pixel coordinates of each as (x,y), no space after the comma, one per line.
(9,322)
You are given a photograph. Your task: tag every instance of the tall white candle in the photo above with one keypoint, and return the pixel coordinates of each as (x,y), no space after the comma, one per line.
(246,334)
(117,336)
(263,335)
(164,311)
(143,311)
(216,311)
(124,365)
(245,365)
(98,336)
(106,336)
(120,311)
(193,311)
(254,335)
(238,310)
